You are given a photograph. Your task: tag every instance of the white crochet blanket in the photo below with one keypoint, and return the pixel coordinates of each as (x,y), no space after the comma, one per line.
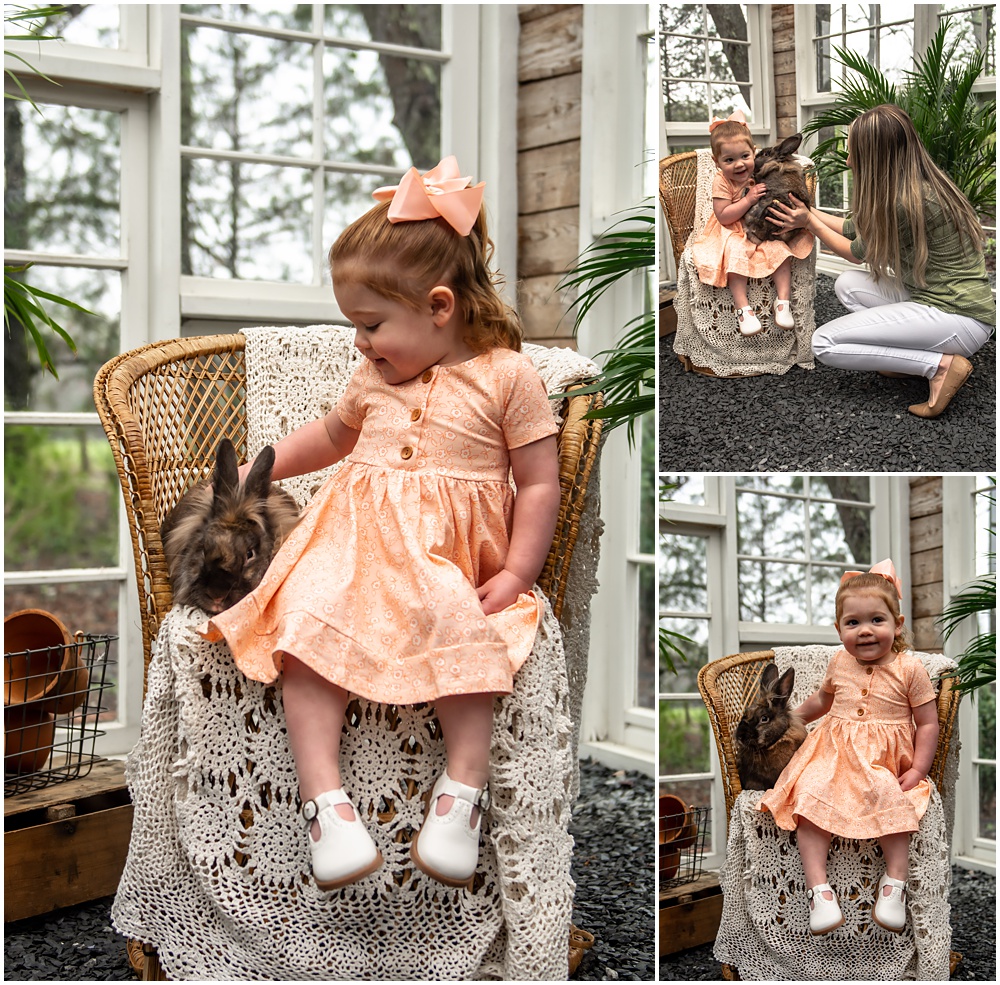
(765,919)
(706,316)
(217,871)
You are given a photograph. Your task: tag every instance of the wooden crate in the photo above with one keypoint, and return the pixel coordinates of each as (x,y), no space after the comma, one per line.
(66,843)
(690,914)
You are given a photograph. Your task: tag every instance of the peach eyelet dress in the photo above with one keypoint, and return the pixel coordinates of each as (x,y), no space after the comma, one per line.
(723,250)
(375,589)
(844,777)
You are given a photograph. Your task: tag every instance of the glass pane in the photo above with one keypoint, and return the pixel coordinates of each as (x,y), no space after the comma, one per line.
(685,102)
(988,802)
(694,647)
(773,593)
(646,656)
(647,487)
(247,93)
(683,572)
(249,221)
(986,706)
(412,25)
(347,197)
(770,526)
(973,29)
(60,499)
(26,386)
(840,533)
(726,99)
(685,737)
(784,483)
(683,489)
(93,24)
(856,488)
(825,582)
(90,607)
(684,18)
(63,180)
(896,47)
(290,16)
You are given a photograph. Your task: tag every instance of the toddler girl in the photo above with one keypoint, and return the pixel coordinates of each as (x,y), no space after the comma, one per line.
(409,577)
(862,773)
(722,254)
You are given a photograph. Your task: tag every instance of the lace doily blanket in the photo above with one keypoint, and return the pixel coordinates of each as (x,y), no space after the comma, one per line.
(765,919)
(217,871)
(706,320)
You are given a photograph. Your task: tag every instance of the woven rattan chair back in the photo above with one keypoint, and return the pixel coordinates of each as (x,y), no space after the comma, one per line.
(729,684)
(164,408)
(678,188)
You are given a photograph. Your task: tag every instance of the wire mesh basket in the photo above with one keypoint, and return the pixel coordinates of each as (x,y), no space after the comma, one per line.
(684,834)
(52,710)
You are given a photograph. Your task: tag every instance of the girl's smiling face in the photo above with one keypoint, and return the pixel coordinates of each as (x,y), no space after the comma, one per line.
(867,628)
(735,161)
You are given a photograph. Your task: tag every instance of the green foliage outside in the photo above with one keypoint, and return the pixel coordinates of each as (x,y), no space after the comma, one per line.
(684,738)
(60,501)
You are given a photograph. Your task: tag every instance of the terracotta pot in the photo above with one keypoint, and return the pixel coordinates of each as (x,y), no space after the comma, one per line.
(688,833)
(671,813)
(670,862)
(28,732)
(39,663)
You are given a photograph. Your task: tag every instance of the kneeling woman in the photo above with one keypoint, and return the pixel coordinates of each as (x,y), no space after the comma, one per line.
(925,305)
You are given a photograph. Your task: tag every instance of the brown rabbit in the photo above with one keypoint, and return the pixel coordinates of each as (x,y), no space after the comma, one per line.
(220,538)
(768,732)
(783,175)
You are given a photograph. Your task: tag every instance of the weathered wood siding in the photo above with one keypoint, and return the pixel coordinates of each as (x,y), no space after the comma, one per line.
(785,103)
(926,560)
(548,142)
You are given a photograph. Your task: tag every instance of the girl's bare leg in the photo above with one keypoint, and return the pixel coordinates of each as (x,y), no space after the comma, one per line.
(737,285)
(467,727)
(782,278)
(896,849)
(314,710)
(814,847)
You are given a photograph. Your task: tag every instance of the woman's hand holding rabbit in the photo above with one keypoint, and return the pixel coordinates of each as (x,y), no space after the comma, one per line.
(798,217)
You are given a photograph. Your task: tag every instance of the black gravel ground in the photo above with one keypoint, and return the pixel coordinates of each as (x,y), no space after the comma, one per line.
(613,868)
(973,929)
(822,420)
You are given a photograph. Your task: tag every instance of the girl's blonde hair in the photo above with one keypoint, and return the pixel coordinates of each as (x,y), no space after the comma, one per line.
(402,261)
(729,130)
(869,584)
(892,170)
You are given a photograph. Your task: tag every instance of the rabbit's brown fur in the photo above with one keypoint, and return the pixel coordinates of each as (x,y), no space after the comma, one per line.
(783,175)
(769,732)
(220,539)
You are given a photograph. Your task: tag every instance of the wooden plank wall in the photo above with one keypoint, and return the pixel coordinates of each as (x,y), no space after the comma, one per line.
(548,141)
(786,108)
(926,560)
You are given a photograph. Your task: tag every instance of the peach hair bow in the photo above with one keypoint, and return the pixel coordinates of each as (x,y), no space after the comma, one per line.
(736,117)
(884,568)
(442,191)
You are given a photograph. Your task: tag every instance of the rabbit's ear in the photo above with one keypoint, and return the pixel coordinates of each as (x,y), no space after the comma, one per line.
(768,677)
(226,476)
(259,480)
(789,145)
(785,684)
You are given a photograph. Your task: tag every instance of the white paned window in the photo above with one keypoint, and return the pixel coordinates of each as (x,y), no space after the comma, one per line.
(713,60)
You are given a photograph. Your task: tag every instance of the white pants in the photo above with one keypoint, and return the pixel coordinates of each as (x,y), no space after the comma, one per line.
(886,330)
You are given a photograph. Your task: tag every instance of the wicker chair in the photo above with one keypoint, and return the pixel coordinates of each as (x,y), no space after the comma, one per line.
(707,340)
(727,685)
(164,408)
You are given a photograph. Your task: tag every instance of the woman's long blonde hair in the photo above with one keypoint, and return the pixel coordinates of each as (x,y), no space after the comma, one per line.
(402,261)
(893,169)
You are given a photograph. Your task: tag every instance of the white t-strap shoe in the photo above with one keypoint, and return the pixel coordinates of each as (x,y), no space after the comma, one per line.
(345,851)
(824,914)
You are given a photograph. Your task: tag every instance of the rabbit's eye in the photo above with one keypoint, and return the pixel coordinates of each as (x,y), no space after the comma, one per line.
(251,554)
(764,719)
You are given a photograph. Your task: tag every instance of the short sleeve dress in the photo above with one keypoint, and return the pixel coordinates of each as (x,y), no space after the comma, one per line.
(844,777)
(375,588)
(723,250)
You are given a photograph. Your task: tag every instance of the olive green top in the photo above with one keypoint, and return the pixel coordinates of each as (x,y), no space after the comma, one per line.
(955,272)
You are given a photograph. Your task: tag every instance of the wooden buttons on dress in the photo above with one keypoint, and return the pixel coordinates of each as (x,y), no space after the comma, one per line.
(406,452)
(427,377)
(415,414)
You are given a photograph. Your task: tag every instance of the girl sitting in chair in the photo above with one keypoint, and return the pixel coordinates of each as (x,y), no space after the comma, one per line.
(862,773)
(722,254)
(409,577)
